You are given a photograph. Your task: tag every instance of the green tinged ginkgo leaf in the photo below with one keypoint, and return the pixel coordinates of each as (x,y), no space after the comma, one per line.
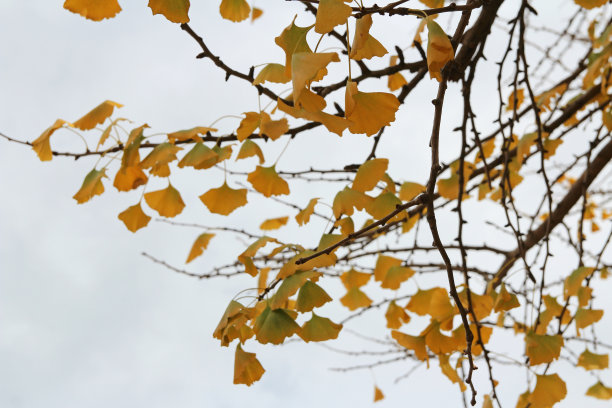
(274,326)
(92,186)
(310,296)
(600,391)
(293,40)
(592,361)
(248,149)
(174,10)
(319,329)
(354,279)
(288,287)
(364,45)
(439,49)
(542,348)
(549,390)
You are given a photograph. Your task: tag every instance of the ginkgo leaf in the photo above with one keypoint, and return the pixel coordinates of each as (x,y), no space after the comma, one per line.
(354,279)
(256,13)
(331,13)
(515,100)
(273,128)
(355,298)
(42,146)
(174,10)
(542,348)
(369,174)
(319,329)
(134,218)
(439,49)
(272,73)
(247,369)
(224,200)
(92,186)
(346,225)
(198,247)
(364,45)
(293,40)
(449,371)
(549,390)
(135,134)
(95,10)
(289,286)
(267,181)
(199,157)
(97,115)
(334,124)
(378,394)
(248,149)
(414,343)
(368,112)
(348,199)
(248,125)
(487,148)
(395,81)
(394,277)
(586,317)
(573,282)
(235,10)
(482,304)
(273,223)
(487,402)
(437,342)
(396,316)
(167,202)
(600,391)
(409,190)
(505,301)
(592,361)
(480,334)
(590,4)
(159,158)
(189,134)
(383,264)
(383,205)
(584,296)
(233,308)
(274,326)
(310,296)
(434,302)
(129,178)
(305,67)
(303,217)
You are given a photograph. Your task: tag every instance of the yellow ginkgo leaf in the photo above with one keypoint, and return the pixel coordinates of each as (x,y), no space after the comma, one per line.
(364,45)
(449,371)
(256,13)
(190,134)
(97,115)
(482,304)
(573,282)
(586,317)
(549,390)
(273,128)
(383,205)
(439,49)
(409,190)
(347,200)
(369,174)
(542,348)
(235,10)
(272,73)
(167,202)
(129,178)
(355,298)
(414,343)
(310,296)
(95,10)
(487,148)
(368,112)
(383,264)
(289,286)
(198,247)
(395,81)
(267,181)
(273,223)
(42,146)
(224,200)
(159,158)
(303,217)
(600,391)
(330,14)
(378,394)
(134,218)
(505,301)
(354,279)
(396,316)
(174,10)
(293,40)
(305,67)
(247,369)
(395,276)
(589,4)
(346,225)
(274,326)
(434,302)
(199,157)
(515,100)
(437,342)
(319,329)
(232,310)
(334,124)
(248,149)
(248,125)
(92,186)
(592,361)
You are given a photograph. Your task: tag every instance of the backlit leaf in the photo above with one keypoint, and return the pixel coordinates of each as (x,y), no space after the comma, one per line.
(438,342)
(378,394)
(92,186)
(310,296)
(439,49)
(409,190)
(293,40)
(395,81)
(394,277)
(272,73)
(199,157)
(167,202)
(95,10)
(273,223)
(396,316)
(334,124)
(589,4)
(449,371)
(586,317)
(303,217)
(190,134)
(174,10)
(248,149)
(354,279)
(346,200)
(319,329)
(198,247)
(267,181)
(355,298)
(542,348)
(383,205)
(368,112)
(273,128)
(600,391)
(97,115)
(434,302)
(274,326)
(505,301)
(364,45)
(42,146)
(414,343)
(224,200)
(549,390)
(288,287)
(247,368)
(134,218)
(383,264)
(306,66)
(369,174)
(515,100)
(330,14)
(592,361)
(574,281)
(256,13)
(235,10)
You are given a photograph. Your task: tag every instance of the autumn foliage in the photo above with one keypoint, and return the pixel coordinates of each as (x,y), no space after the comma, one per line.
(413,251)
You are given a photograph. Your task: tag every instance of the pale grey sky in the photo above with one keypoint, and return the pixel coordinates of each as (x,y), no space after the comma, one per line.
(85,320)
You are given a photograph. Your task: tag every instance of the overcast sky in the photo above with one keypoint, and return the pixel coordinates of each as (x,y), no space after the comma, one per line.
(85,320)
